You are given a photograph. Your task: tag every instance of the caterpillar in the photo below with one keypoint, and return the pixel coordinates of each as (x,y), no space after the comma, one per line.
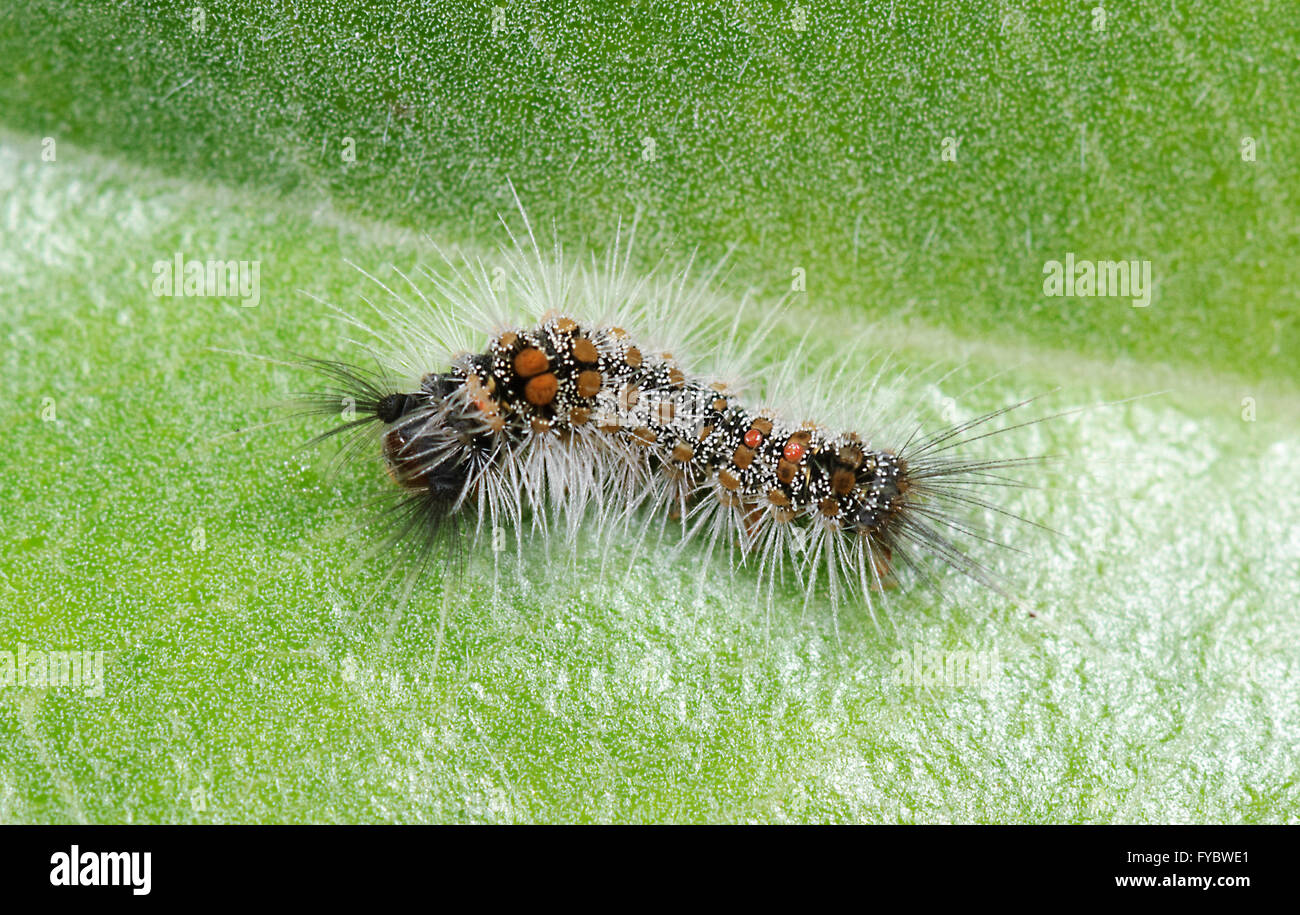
(523,403)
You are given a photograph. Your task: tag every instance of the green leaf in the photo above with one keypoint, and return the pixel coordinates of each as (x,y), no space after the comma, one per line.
(255,667)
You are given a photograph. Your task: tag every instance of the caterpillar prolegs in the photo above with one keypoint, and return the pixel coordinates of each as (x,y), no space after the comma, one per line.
(568,415)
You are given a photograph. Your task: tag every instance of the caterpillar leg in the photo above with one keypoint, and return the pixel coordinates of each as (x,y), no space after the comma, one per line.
(881,561)
(749,539)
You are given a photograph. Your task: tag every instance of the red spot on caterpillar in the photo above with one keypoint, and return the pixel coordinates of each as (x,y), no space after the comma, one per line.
(753,438)
(794,451)
(541,389)
(530,362)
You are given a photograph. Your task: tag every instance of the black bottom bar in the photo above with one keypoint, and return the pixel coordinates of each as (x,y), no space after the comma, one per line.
(301,863)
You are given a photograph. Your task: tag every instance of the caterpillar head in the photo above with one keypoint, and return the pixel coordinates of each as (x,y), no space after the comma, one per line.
(434,436)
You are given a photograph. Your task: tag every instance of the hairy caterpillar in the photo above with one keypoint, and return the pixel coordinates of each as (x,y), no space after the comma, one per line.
(530,402)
